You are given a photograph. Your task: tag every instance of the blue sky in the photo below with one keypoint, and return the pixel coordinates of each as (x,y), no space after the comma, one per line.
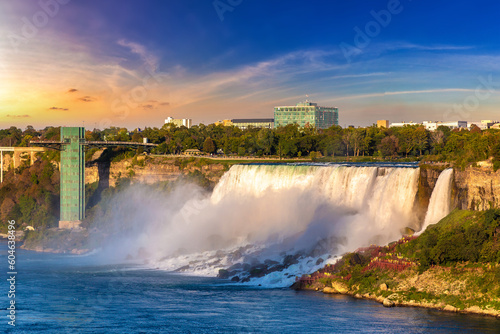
(133,63)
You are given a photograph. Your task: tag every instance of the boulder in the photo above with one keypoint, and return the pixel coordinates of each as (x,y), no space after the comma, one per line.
(450,308)
(383,287)
(270,262)
(184,268)
(289,260)
(339,287)
(407,231)
(388,303)
(223,273)
(329,290)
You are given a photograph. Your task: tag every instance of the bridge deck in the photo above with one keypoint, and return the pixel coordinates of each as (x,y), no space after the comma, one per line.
(55,144)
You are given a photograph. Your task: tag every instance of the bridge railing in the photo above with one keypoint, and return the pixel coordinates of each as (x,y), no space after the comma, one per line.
(58,144)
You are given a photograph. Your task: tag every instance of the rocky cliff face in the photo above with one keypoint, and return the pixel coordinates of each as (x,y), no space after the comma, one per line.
(476,188)
(149,170)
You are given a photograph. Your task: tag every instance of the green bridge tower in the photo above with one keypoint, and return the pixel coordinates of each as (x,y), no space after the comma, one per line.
(72,171)
(72,177)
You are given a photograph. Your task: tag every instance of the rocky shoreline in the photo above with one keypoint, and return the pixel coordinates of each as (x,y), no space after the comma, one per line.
(395,298)
(392,301)
(41,249)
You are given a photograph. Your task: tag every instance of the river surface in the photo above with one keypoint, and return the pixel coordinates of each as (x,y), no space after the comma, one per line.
(76,294)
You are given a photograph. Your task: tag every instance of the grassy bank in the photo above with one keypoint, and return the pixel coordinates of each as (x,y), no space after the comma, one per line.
(453,265)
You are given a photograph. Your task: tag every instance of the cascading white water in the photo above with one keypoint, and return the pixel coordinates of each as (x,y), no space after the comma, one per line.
(385,195)
(288,219)
(440,202)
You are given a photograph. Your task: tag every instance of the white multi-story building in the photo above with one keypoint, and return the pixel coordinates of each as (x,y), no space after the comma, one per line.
(433,125)
(483,125)
(187,122)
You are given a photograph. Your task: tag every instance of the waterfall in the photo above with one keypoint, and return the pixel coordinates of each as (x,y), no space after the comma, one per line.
(266,224)
(385,195)
(440,202)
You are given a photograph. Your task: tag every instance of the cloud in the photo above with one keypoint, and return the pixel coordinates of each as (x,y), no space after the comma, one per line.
(87,99)
(146,57)
(398,46)
(57,108)
(72,90)
(147,106)
(153,105)
(362,75)
(18,116)
(426,91)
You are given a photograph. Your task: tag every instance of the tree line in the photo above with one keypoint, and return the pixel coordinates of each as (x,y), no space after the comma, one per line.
(291,141)
(30,193)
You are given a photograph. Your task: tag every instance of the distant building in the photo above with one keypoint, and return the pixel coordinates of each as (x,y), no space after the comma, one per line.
(483,125)
(225,122)
(306,114)
(187,122)
(245,123)
(383,124)
(193,151)
(400,125)
(433,125)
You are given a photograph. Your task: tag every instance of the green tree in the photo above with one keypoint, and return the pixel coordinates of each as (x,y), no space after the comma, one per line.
(407,140)
(208,145)
(389,146)
(421,138)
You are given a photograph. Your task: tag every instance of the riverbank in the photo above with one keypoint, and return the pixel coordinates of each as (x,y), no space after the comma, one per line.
(437,288)
(453,266)
(57,241)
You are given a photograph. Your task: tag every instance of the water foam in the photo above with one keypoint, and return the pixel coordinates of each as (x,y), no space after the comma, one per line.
(267,224)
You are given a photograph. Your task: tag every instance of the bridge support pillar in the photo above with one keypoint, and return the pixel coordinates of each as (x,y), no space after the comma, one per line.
(16,158)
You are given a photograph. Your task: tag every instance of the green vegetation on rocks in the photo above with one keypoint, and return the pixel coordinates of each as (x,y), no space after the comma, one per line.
(462,236)
(453,265)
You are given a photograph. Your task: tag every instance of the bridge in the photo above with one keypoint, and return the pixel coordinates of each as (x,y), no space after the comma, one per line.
(18,151)
(72,146)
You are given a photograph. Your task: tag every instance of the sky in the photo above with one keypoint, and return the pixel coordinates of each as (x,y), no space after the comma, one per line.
(133,63)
